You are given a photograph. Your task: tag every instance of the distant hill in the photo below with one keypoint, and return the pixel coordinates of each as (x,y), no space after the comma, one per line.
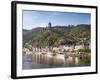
(29,34)
(25,31)
(56,35)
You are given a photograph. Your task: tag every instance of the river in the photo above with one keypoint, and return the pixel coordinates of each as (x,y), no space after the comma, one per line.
(28,63)
(37,61)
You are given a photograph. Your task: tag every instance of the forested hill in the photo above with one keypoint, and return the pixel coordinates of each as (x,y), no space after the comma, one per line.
(56,35)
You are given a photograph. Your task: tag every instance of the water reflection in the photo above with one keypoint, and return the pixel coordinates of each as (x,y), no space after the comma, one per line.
(43,60)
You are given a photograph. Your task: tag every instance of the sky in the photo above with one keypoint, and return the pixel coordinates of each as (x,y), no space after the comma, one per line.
(33,19)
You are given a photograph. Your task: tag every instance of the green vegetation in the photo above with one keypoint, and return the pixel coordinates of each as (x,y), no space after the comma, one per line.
(86,60)
(58,35)
(46,39)
(85,50)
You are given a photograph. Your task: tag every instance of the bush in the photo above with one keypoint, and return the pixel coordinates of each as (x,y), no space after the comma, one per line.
(86,61)
(85,50)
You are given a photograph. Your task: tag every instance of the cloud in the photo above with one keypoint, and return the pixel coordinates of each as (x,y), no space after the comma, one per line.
(42,25)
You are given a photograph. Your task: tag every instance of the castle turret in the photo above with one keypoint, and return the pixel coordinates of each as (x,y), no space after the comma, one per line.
(49,24)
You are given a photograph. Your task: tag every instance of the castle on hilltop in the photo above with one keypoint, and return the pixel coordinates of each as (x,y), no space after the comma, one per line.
(48,27)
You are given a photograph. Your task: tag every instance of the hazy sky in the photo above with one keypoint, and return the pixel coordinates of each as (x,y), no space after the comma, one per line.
(33,19)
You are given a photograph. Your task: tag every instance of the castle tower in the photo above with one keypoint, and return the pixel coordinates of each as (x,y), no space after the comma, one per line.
(49,24)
